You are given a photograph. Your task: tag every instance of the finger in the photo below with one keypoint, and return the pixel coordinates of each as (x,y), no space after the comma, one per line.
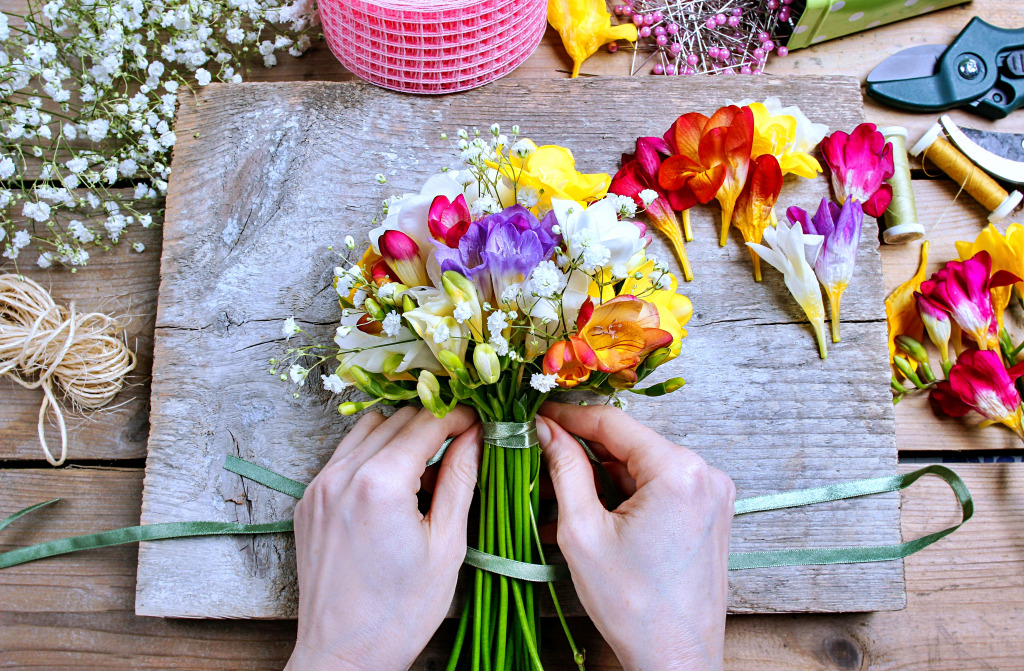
(356,435)
(410,449)
(383,434)
(456,482)
(570,471)
(644,452)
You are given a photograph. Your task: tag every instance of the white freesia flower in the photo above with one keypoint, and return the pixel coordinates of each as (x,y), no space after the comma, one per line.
(792,252)
(594,235)
(370,351)
(436,312)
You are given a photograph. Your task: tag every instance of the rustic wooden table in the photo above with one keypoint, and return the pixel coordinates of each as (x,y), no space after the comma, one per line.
(965,595)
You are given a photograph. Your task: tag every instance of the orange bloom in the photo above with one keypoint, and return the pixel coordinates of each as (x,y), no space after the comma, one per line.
(621,333)
(754,207)
(711,161)
(571,360)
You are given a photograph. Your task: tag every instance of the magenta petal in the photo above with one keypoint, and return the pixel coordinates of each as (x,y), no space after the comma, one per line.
(397,246)
(879,201)
(648,157)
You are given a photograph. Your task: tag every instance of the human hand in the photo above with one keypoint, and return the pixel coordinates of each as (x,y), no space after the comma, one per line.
(652,574)
(376,577)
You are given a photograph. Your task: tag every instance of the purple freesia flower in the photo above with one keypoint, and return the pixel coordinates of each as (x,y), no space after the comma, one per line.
(841,229)
(501,249)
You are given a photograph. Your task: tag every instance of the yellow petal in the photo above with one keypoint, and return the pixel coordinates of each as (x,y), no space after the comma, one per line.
(901,307)
(585,26)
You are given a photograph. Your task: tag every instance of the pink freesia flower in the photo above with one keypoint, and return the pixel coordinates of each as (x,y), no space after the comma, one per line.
(980,382)
(961,288)
(936,323)
(402,255)
(860,163)
(448,220)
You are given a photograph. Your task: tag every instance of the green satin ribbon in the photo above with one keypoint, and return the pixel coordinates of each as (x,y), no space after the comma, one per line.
(536,572)
(513,435)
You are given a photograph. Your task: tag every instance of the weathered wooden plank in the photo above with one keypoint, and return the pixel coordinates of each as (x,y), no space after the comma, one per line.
(76,611)
(280,172)
(123,282)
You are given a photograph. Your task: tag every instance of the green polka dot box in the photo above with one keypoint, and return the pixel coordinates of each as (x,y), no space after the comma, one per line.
(828,19)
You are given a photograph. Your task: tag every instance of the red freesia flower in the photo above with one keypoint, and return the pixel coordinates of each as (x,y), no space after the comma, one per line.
(961,288)
(448,220)
(712,158)
(860,163)
(639,172)
(980,382)
(753,211)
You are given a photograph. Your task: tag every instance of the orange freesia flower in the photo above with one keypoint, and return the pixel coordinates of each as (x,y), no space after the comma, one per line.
(712,159)
(753,211)
(901,308)
(571,360)
(621,333)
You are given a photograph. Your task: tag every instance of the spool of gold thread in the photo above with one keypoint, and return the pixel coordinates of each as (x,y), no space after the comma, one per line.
(901,224)
(934,147)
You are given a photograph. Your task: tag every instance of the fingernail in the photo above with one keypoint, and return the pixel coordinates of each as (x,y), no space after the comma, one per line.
(543,432)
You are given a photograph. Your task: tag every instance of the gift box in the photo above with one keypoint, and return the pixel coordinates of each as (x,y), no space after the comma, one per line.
(823,20)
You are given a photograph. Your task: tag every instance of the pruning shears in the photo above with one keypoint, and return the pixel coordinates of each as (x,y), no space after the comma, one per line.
(982,71)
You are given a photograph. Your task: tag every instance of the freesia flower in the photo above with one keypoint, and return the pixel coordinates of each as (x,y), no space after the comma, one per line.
(597,239)
(571,361)
(788,251)
(937,323)
(1007,252)
(448,220)
(410,213)
(370,351)
(787,134)
(433,320)
(980,382)
(550,170)
(622,332)
(639,172)
(402,255)
(712,158)
(962,288)
(901,312)
(841,229)
(753,213)
(860,163)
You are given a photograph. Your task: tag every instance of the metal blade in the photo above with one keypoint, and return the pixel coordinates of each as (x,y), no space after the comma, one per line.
(912,63)
(1007,145)
(995,165)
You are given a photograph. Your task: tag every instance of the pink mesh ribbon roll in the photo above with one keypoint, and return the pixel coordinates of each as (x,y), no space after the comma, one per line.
(425,46)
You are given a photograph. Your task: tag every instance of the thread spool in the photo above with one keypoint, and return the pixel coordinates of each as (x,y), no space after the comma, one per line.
(974,180)
(901,224)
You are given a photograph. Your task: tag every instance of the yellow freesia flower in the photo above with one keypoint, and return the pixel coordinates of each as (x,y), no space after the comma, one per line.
(674,310)
(585,26)
(1007,252)
(550,170)
(777,134)
(901,308)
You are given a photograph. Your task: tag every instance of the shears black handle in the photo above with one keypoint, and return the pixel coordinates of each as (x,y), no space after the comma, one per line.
(982,69)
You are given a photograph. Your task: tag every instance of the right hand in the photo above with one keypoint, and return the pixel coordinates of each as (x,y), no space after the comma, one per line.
(652,574)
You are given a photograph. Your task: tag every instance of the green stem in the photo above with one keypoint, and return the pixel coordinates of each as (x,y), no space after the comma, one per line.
(460,637)
(576,654)
(501,494)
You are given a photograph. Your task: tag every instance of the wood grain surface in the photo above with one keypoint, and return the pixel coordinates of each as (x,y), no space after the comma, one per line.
(245,245)
(965,608)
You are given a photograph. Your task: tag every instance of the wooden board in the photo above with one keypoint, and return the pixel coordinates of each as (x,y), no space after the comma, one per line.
(964,595)
(266,177)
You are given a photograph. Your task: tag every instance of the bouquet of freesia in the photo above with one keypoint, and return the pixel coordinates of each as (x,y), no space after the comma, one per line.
(494,286)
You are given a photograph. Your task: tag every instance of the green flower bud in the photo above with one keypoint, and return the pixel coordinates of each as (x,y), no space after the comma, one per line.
(408,303)
(391,364)
(912,347)
(657,357)
(429,391)
(487,365)
(451,362)
(908,372)
(462,291)
(350,408)
(373,309)
(364,382)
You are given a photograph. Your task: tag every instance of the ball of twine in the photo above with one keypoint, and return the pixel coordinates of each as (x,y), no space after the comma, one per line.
(46,345)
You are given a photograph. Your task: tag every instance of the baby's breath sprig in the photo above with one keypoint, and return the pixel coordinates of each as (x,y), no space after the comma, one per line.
(87,97)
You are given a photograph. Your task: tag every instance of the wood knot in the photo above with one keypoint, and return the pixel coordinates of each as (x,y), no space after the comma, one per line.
(843,653)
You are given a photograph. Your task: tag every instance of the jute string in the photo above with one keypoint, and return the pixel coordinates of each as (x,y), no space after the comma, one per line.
(46,345)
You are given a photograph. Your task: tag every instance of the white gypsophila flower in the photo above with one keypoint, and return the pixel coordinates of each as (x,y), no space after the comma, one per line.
(496,322)
(543,383)
(392,324)
(625,206)
(138,247)
(297,374)
(523,148)
(511,293)
(483,206)
(38,211)
(97,129)
(45,260)
(289,328)
(80,232)
(499,344)
(527,196)
(350,242)
(145,220)
(21,240)
(387,290)
(462,312)
(203,77)
(334,384)
(7,167)
(442,333)
(78,165)
(546,280)
(648,196)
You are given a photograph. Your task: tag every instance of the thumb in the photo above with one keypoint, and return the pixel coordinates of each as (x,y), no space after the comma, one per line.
(571,474)
(456,481)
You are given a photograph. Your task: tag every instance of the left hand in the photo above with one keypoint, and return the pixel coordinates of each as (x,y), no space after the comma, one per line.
(376,577)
